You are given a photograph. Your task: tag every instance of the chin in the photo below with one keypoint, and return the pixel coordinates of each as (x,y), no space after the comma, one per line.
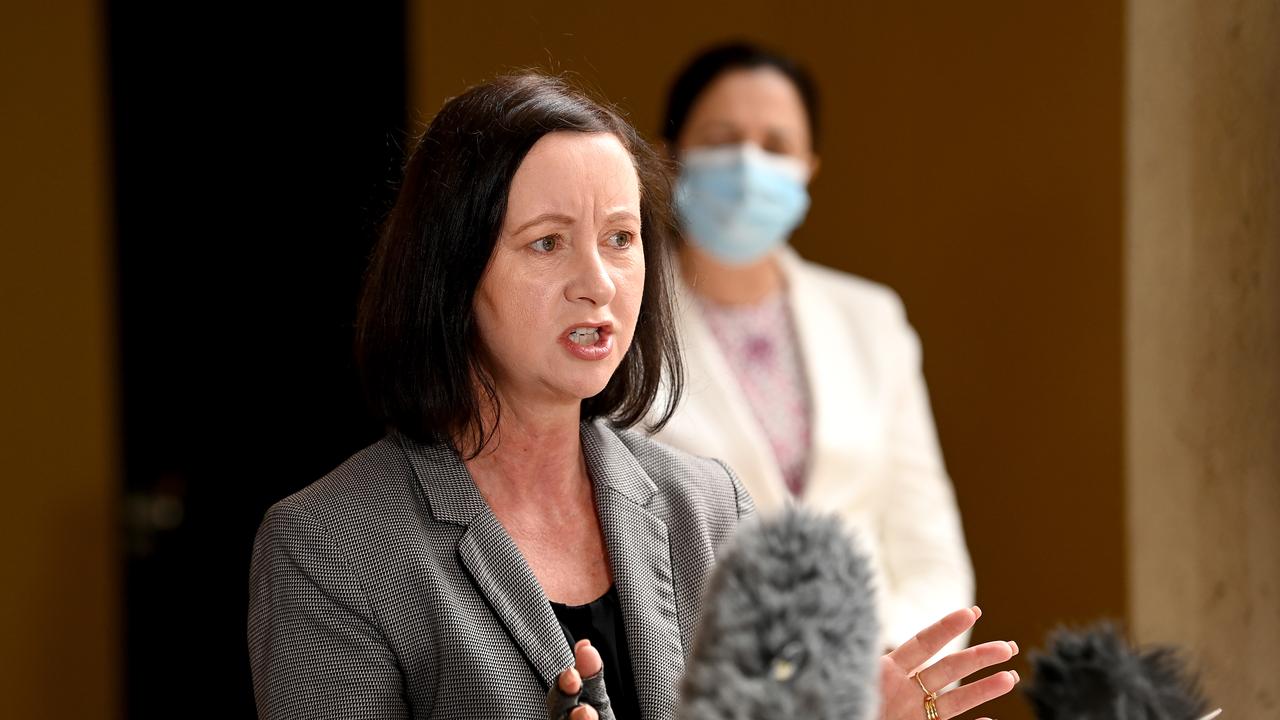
(587,391)
(586,385)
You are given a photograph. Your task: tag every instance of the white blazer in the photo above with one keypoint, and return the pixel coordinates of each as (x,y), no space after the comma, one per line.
(874,457)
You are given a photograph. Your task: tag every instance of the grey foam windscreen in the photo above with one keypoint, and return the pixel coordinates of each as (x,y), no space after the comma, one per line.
(789,627)
(1094,674)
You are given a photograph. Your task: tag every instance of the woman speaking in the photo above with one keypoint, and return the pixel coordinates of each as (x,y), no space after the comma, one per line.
(508,537)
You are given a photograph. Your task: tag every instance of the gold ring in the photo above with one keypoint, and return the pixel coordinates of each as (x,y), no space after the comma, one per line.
(930,707)
(930,695)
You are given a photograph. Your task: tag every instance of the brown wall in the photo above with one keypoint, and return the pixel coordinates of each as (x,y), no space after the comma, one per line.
(972,159)
(1203,360)
(58,609)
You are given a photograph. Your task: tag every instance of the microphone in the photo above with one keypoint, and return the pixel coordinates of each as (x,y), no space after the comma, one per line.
(788,629)
(1093,674)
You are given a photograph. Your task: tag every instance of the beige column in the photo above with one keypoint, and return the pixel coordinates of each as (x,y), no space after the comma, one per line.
(1203,339)
(59,602)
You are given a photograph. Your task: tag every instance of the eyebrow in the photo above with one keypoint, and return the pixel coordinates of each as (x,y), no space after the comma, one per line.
(550,217)
(732,127)
(562,219)
(623,215)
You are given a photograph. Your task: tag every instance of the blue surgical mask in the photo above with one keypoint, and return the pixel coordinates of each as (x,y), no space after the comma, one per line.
(738,202)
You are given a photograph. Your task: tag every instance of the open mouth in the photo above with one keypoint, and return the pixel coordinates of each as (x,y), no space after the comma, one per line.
(585,335)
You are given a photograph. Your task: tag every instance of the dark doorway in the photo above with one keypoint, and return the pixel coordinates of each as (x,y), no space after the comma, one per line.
(254,155)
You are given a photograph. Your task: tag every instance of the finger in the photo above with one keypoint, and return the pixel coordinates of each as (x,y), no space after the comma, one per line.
(584,712)
(926,643)
(570,682)
(586,658)
(967,697)
(960,665)
(595,694)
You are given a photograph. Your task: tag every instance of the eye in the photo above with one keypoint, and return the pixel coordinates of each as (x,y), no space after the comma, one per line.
(781,143)
(779,147)
(544,244)
(620,239)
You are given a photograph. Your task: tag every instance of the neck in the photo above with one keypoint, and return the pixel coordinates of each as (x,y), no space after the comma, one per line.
(726,284)
(535,452)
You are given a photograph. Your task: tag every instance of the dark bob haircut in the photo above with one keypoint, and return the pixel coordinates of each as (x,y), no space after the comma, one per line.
(716,61)
(416,339)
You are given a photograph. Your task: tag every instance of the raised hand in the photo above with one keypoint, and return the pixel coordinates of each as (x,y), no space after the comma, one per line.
(904,678)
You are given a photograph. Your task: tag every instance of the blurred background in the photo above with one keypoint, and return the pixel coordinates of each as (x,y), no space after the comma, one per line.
(1078,202)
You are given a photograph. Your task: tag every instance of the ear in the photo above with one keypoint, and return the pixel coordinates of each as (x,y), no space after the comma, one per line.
(815,163)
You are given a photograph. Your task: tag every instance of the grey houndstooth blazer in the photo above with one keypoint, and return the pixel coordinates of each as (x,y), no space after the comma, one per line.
(388,589)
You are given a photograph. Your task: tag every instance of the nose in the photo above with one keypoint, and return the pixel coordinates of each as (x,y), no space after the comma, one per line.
(591,281)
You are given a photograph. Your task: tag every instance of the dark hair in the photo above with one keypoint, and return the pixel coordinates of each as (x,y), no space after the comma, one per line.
(716,61)
(416,341)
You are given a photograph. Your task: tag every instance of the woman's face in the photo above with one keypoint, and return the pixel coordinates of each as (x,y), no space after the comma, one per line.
(557,305)
(759,106)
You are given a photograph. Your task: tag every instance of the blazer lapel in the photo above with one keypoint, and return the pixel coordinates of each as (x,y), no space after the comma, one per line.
(836,373)
(504,578)
(743,443)
(640,558)
(492,559)
(639,555)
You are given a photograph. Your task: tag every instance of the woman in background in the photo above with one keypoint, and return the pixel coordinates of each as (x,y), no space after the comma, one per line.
(805,380)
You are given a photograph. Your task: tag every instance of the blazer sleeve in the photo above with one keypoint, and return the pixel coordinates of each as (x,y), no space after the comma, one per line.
(925,555)
(745,506)
(314,644)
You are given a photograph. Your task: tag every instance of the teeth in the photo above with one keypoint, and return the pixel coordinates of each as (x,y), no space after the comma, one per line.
(584,336)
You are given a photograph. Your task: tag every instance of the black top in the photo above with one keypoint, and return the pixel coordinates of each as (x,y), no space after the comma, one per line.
(600,621)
